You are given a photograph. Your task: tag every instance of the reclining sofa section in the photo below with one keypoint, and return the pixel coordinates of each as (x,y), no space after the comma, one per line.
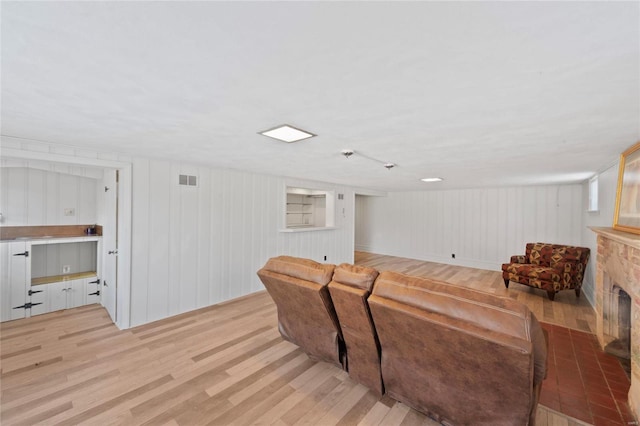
(306,315)
(460,356)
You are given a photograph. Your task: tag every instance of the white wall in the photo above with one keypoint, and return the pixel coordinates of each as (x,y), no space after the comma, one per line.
(482,227)
(30,197)
(196,246)
(193,247)
(607,186)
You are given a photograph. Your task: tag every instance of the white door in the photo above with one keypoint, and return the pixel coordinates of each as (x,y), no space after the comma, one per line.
(110,243)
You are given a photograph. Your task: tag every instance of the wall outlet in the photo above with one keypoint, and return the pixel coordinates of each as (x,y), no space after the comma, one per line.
(66,269)
(69,211)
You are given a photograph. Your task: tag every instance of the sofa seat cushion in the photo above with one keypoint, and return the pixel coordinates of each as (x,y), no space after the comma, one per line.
(536,272)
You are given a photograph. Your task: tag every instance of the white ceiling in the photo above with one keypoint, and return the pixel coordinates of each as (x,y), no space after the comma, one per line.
(481,93)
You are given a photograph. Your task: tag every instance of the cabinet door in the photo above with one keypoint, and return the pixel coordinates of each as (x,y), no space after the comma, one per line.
(39,299)
(77,293)
(93,290)
(14,280)
(57,295)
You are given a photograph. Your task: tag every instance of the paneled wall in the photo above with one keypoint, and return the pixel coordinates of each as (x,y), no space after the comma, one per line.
(482,227)
(31,196)
(607,186)
(196,246)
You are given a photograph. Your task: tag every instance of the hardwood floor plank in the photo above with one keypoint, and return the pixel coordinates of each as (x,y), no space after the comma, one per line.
(29,368)
(228,344)
(300,409)
(59,393)
(359,410)
(88,414)
(375,415)
(21,352)
(46,414)
(396,415)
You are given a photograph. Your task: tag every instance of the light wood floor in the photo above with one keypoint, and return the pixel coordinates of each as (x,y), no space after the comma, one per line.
(221,365)
(566,310)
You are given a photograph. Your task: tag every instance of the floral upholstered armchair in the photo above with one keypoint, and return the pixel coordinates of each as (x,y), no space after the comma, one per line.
(550,267)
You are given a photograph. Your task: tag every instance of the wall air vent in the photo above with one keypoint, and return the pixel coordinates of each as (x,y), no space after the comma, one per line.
(188,180)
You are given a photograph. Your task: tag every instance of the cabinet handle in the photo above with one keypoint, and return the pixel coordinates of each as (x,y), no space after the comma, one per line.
(112,252)
(25,254)
(95,282)
(34,291)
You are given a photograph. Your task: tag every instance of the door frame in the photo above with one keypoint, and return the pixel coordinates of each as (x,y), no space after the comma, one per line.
(123,296)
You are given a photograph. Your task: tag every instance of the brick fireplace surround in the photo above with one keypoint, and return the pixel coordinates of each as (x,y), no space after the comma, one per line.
(618,267)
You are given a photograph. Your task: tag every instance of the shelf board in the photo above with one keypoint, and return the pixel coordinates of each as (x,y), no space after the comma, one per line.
(67,277)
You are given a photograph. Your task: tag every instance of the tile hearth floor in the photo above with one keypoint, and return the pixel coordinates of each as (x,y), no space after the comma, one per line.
(583,381)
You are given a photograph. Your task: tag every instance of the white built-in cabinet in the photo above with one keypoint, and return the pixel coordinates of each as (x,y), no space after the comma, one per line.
(28,285)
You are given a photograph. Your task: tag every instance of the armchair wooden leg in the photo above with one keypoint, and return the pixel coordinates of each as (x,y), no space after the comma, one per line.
(506,282)
(551,294)
(577,292)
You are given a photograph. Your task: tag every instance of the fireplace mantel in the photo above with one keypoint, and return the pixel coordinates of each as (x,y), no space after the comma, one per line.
(618,266)
(632,240)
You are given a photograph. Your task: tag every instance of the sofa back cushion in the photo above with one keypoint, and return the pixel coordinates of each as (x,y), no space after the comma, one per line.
(306,315)
(461,356)
(539,254)
(552,255)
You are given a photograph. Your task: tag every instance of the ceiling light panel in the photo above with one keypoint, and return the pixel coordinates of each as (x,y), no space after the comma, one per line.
(286,133)
(433,179)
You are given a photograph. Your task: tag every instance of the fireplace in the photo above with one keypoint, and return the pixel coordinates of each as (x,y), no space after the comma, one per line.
(617,299)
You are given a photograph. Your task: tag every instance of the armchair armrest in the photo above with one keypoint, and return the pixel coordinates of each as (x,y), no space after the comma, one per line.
(519,259)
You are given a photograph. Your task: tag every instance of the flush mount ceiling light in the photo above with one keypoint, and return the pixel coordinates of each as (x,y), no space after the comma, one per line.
(434,179)
(286,133)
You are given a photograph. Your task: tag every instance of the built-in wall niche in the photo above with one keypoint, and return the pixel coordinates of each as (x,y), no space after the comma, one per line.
(309,208)
(49,262)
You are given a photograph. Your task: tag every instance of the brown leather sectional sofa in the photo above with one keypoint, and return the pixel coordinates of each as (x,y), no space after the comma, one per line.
(460,356)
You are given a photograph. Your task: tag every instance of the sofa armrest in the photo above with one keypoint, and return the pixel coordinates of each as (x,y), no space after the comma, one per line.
(519,259)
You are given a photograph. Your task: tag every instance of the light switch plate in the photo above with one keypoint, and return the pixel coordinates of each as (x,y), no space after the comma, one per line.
(69,211)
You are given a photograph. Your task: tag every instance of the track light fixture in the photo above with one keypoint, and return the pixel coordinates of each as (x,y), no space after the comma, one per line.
(347,152)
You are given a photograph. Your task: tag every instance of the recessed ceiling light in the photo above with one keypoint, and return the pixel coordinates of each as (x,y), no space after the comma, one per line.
(435,179)
(286,133)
